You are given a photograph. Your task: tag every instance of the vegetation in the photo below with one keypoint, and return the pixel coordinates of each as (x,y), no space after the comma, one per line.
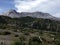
(29,22)
(18,43)
(35,41)
(29,31)
(5,33)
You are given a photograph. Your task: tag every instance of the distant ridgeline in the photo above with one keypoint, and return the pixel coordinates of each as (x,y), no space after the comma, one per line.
(29,22)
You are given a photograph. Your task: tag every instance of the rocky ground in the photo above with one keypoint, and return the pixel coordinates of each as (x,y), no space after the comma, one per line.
(8,37)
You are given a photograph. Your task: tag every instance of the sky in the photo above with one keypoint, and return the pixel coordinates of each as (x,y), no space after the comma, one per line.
(48,6)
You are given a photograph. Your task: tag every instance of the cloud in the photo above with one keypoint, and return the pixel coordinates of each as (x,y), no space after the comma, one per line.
(27,5)
(57,15)
(49,6)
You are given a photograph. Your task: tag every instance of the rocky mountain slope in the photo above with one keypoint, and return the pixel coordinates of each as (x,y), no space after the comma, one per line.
(13,13)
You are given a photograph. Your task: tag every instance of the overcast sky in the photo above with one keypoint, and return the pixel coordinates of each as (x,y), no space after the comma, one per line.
(47,6)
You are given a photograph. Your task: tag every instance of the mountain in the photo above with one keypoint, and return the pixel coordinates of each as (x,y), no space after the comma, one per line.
(37,14)
(35,20)
(13,13)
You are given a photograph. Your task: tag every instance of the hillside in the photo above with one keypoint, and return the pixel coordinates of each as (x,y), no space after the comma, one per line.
(30,22)
(29,31)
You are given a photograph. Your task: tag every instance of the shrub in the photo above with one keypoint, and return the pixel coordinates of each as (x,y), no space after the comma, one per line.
(35,41)
(2,43)
(5,33)
(58,43)
(15,30)
(19,43)
(22,38)
(16,35)
(26,33)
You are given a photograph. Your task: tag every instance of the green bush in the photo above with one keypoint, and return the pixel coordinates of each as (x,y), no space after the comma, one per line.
(16,35)
(35,41)
(2,43)
(58,43)
(26,33)
(22,38)
(5,33)
(19,43)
